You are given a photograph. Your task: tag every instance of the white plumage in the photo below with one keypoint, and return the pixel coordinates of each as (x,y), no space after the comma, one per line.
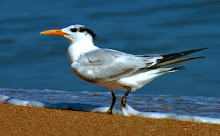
(114,69)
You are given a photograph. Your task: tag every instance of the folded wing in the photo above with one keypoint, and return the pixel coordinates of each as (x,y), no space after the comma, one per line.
(106,65)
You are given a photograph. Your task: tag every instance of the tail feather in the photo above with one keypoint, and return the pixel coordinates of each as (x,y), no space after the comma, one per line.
(167,70)
(177,68)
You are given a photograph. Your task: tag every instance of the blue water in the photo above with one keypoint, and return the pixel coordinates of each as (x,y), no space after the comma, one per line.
(34,61)
(180,105)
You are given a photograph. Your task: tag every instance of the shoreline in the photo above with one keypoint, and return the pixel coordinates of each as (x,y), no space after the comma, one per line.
(23,120)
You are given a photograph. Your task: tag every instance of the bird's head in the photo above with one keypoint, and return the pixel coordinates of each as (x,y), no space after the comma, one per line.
(73,33)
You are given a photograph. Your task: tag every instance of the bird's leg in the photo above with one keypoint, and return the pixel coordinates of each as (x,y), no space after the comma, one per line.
(113,102)
(123,99)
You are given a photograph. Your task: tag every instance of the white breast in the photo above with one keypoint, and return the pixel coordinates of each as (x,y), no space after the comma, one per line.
(79,48)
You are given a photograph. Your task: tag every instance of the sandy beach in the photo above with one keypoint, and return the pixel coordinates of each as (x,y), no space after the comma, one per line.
(21,120)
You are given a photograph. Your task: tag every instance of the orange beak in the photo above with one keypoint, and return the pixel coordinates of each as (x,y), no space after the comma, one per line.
(57,32)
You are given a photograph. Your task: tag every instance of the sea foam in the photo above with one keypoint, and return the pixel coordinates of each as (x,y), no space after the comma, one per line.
(128,111)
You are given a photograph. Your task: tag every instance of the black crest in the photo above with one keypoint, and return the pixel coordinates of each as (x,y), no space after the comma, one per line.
(85,29)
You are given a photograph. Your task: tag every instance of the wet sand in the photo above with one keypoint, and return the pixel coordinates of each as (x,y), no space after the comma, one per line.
(21,120)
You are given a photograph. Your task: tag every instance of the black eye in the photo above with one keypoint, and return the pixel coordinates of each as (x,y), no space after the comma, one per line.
(73,29)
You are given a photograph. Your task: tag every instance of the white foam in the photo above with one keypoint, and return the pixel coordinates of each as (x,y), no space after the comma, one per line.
(124,112)
(14,101)
(3,98)
(95,108)
(132,111)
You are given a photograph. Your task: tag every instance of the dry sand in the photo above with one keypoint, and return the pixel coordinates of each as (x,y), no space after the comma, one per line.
(32,121)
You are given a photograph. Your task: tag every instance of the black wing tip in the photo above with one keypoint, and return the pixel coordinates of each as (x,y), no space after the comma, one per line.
(190,51)
(201,57)
(204,48)
(199,49)
(168,57)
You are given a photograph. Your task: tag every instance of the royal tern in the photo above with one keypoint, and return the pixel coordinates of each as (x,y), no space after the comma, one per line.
(111,68)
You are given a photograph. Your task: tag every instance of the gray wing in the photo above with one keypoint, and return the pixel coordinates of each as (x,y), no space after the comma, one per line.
(107,65)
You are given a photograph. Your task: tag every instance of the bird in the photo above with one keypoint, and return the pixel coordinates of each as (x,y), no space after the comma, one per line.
(114,69)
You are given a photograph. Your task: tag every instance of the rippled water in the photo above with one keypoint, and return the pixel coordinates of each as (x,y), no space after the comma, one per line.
(180,105)
(31,60)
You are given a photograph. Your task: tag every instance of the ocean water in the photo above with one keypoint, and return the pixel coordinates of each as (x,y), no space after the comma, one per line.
(157,105)
(29,60)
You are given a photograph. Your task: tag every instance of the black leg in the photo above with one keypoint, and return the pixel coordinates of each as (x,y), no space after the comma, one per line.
(113,103)
(123,99)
